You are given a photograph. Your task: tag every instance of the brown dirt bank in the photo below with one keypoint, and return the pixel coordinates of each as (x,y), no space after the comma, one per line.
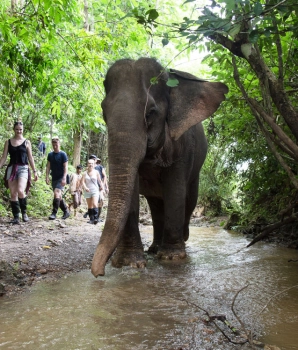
(43,249)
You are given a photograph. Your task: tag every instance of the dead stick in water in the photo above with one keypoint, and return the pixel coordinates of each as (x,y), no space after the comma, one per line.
(248,334)
(212,319)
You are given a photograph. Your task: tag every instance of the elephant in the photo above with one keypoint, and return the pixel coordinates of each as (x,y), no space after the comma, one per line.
(156,148)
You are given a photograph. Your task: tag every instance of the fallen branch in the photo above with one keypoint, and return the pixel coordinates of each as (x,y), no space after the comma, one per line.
(222,318)
(248,334)
(268,229)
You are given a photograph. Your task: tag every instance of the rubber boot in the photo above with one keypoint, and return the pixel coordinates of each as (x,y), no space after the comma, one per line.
(95,213)
(64,208)
(56,204)
(15,208)
(91,216)
(99,212)
(85,215)
(23,206)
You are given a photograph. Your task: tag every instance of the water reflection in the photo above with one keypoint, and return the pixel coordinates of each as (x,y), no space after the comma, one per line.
(146,309)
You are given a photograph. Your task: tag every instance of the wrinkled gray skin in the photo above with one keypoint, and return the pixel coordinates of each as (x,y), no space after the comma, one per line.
(156,147)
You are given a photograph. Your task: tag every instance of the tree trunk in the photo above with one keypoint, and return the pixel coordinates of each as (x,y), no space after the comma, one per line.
(13,5)
(86,16)
(77,138)
(277,92)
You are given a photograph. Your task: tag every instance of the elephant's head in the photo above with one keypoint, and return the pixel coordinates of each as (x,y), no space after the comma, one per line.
(144,116)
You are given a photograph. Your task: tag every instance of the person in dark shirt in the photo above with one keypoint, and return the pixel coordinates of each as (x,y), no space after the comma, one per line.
(103,175)
(41,147)
(58,165)
(17,174)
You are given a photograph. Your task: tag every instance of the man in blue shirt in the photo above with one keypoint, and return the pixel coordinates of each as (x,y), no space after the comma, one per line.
(58,165)
(41,147)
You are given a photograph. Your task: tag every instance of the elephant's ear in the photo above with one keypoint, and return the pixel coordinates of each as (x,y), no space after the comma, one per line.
(192,101)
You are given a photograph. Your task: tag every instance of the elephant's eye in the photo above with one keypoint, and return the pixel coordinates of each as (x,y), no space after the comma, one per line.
(151,113)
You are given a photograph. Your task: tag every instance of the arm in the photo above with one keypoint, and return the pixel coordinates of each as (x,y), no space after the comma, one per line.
(48,168)
(31,159)
(99,181)
(105,181)
(73,183)
(4,154)
(65,170)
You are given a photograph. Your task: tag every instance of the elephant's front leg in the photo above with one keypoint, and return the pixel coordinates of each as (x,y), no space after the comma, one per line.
(130,250)
(174,192)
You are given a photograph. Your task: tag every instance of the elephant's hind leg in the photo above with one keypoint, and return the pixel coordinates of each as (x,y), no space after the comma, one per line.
(157,212)
(190,204)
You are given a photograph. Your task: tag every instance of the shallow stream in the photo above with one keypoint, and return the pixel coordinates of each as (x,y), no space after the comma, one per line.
(160,307)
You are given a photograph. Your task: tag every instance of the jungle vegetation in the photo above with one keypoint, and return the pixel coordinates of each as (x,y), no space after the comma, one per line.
(54,55)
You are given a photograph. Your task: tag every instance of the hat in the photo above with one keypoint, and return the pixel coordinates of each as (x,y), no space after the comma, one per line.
(93,156)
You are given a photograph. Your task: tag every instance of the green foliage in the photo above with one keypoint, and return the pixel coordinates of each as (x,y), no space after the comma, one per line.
(53,62)
(251,47)
(218,192)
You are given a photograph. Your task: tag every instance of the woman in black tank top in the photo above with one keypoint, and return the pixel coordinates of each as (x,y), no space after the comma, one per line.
(17,174)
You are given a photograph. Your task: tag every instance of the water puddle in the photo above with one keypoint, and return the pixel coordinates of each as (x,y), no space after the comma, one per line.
(147,309)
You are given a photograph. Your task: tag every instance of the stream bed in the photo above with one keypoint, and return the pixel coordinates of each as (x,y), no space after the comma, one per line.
(164,306)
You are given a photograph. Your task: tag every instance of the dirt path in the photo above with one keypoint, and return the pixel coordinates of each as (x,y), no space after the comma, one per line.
(43,249)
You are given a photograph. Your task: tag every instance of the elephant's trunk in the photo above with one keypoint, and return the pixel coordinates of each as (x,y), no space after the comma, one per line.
(124,161)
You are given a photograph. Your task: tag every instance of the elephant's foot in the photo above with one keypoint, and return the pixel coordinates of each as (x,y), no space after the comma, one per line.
(171,253)
(153,249)
(129,257)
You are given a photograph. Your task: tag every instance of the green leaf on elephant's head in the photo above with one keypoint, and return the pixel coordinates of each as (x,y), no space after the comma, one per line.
(154,80)
(172,82)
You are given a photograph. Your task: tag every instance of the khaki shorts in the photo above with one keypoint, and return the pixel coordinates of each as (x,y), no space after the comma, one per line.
(91,194)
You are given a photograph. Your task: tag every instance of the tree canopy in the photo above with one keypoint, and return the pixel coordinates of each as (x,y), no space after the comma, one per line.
(55,53)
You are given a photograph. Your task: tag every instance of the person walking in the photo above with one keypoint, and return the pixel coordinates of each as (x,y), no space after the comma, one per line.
(41,146)
(57,164)
(75,188)
(17,174)
(102,189)
(103,174)
(90,183)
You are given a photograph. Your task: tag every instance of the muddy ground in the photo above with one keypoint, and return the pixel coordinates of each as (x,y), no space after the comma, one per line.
(43,249)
